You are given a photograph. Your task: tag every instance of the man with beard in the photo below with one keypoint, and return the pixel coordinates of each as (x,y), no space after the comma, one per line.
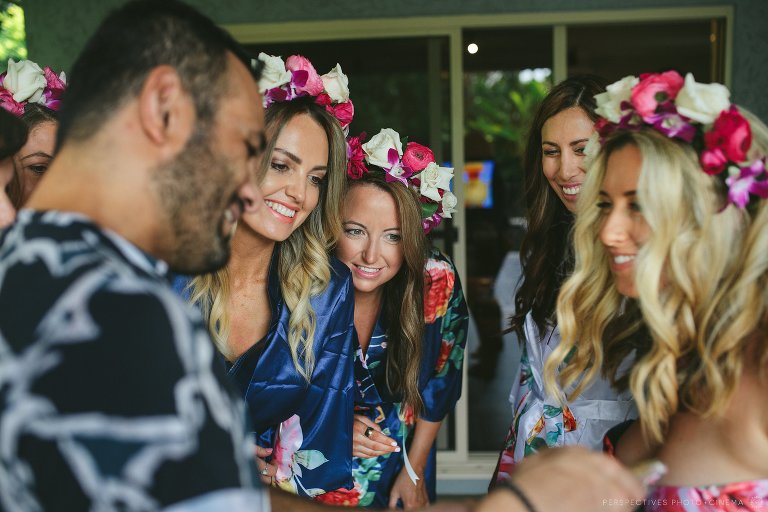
(110,395)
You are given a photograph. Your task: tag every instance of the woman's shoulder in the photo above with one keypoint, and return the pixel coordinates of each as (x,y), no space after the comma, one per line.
(340,273)
(339,288)
(438,268)
(436,258)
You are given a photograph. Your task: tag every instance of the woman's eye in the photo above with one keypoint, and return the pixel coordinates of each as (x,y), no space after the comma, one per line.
(279,166)
(551,152)
(392,237)
(603,205)
(316,180)
(579,150)
(635,207)
(353,231)
(38,169)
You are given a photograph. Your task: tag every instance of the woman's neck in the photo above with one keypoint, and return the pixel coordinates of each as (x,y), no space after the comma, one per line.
(248,303)
(367,307)
(250,257)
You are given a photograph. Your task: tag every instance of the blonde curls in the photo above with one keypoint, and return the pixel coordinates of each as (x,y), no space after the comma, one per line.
(681,272)
(729,335)
(304,267)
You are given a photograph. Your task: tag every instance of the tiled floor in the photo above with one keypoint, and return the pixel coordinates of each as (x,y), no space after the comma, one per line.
(489,410)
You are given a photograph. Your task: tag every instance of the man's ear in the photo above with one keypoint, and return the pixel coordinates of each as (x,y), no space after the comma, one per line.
(166,110)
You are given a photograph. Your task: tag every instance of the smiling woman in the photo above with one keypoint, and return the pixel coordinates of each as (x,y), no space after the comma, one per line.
(280,313)
(410,317)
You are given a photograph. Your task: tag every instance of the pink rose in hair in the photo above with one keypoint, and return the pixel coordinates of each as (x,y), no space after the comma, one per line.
(654,89)
(713,161)
(356,157)
(344,112)
(731,134)
(56,84)
(416,157)
(312,85)
(8,103)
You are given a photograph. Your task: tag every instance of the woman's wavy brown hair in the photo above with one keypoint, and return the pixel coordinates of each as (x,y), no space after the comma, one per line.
(546,253)
(403,299)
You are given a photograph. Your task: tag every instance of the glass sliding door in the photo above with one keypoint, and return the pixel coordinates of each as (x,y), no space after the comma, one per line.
(506,74)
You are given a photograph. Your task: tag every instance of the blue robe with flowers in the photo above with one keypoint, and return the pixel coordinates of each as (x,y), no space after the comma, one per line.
(445,336)
(309,425)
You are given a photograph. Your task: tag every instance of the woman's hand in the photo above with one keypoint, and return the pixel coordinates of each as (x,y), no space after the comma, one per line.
(375,444)
(267,471)
(414,496)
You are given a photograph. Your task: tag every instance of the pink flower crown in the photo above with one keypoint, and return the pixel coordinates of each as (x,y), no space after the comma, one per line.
(24,83)
(415,168)
(699,114)
(296,77)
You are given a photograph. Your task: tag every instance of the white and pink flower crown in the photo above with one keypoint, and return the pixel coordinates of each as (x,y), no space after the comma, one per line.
(296,77)
(24,83)
(699,114)
(415,167)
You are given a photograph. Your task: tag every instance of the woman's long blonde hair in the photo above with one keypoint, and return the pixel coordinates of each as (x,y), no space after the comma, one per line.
(692,253)
(304,269)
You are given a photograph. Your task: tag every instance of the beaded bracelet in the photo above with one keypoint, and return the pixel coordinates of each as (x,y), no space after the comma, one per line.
(509,484)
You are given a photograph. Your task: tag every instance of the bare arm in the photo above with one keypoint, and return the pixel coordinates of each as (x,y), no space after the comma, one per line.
(415,496)
(586,481)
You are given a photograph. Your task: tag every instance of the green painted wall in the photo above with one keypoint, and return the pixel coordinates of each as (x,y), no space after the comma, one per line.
(56,29)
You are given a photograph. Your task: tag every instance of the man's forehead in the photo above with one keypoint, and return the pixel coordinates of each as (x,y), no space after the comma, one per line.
(243,99)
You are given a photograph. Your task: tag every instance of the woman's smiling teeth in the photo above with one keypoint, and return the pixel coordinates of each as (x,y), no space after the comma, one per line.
(571,191)
(279,208)
(623,258)
(368,270)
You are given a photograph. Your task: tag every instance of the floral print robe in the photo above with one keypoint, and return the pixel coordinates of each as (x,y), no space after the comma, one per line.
(445,336)
(540,421)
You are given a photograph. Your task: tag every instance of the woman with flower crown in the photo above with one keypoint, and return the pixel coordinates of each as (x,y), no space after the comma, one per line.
(671,246)
(281,311)
(13,135)
(555,169)
(33,95)
(410,317)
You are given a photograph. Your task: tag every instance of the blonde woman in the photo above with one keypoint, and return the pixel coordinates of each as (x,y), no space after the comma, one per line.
(281,312)
(667,265)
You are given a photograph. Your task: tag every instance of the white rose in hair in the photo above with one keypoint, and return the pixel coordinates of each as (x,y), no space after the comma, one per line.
(25,80)
(702,102)
(609,102)
(377,149)
(336,84)
(434,177)
(274,73)
(449,204)
(591,149)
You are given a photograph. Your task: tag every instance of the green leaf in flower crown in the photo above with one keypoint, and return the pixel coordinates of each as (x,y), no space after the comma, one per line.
(404,141)
(428,210)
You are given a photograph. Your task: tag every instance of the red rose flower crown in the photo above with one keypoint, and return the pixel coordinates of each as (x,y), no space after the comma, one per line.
(699,114)
(414,167)
(296,78)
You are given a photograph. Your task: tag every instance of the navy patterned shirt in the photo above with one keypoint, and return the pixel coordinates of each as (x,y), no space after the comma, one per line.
(110,395)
